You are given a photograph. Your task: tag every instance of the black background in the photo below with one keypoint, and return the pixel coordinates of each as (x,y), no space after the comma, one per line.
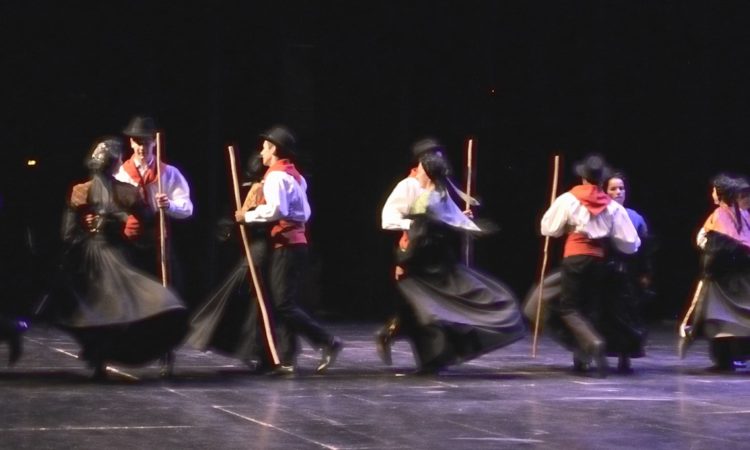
(658,87)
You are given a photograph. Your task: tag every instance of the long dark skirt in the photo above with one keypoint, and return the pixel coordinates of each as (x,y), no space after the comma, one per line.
(459,316)
(228,322)
(114,311)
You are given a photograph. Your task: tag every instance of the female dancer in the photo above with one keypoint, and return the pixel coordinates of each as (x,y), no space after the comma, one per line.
(114,311)
(458,313)
(228,320)
(630,275)
(723,314)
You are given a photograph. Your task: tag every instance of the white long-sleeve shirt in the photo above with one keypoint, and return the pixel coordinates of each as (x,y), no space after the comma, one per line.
(398,204)
(285,198)
(173,184)
(568,215)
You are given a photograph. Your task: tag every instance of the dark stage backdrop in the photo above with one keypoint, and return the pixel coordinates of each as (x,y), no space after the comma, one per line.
(659,87)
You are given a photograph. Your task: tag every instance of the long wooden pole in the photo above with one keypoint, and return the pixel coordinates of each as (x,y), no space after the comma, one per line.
(162,218)
(544,262)
(253,274)
(689,313)
(469,181)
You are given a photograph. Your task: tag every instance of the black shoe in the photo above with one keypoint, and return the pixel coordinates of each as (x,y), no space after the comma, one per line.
(257,367)
(383,346)
(428,370)
(100,372)
(283,370)
(721,368)
(581,362)
(600,360)
(329,355)
(623,364)
(167,365)
(14,342)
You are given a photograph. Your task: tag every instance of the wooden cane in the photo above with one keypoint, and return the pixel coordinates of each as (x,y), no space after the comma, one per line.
(253,274)
(162,218)
(469,174)
(689,313)
(544,262)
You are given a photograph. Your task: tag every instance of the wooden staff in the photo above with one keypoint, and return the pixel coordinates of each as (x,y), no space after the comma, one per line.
(162,218)
(253,274)
(685,335)
(544,262)
(689,313)
(469,174)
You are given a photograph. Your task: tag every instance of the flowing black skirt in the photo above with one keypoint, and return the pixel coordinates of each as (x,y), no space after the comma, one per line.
(459,315)
(114,311)
(228,321)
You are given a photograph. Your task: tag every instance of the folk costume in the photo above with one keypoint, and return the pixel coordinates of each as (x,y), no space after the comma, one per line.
(458,313)
(116,312)
(285,210)
(142,174)
(589,217)
(621,321)
(723,316)
(228,321)
(394,217)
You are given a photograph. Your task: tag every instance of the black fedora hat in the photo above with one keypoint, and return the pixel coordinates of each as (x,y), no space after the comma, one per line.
(141,127)
(425,145)
(281,137)
(591,168)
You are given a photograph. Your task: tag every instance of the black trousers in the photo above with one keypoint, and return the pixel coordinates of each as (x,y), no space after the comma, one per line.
(581,299)
(582,285)
(286,274)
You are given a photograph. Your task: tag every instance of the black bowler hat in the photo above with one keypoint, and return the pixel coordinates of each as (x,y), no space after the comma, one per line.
(591,168)
(281,137)
(140,127)
(425,145)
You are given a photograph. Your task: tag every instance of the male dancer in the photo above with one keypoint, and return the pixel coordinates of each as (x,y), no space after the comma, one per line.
(588,216)
(174,199)
(393,217)
(286,209)
(140,171)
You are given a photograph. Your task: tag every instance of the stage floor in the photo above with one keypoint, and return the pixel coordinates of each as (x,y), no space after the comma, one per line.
(503,400)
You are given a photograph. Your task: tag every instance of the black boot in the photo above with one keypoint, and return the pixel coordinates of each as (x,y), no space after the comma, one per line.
(384,338)
(721,354)
(15,342)
(100,371)
(581,362)
(167,365)
(588,340)
(329,354)
(623,364)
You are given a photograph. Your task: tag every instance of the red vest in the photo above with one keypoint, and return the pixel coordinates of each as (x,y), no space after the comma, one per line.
(286,232)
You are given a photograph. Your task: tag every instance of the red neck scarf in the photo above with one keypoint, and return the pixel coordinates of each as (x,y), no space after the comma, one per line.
(593,198)
(148,177)
(284,165)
